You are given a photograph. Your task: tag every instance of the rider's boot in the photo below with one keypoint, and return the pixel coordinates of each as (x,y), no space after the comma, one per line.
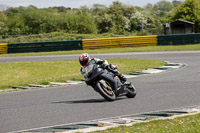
(123,79)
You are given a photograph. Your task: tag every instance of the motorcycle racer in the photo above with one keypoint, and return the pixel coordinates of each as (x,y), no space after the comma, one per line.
(85,62)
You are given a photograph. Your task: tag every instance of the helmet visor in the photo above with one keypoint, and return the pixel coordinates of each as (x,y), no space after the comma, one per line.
(84,62)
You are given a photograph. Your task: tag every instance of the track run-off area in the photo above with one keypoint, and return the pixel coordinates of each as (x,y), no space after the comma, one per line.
(45,107)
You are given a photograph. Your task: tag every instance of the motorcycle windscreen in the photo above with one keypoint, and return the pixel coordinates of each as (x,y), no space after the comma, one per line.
(88,69)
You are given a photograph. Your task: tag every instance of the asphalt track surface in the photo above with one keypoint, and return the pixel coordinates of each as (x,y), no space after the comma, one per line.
(61,105)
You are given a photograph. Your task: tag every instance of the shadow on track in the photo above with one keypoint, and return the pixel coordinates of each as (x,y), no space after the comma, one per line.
(85,101)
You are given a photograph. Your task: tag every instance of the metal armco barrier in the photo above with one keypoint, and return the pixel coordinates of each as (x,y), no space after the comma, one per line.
(135,41)
(179,39)
(117,42)
(45,46)
(3,48)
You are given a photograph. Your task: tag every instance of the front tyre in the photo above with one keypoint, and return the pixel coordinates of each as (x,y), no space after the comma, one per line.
(131,91)
(105,91)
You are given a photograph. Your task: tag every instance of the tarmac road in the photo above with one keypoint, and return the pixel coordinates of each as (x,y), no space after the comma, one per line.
(69,104)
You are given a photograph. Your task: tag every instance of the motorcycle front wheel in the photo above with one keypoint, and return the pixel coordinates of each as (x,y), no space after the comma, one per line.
(131,91)
(105,90)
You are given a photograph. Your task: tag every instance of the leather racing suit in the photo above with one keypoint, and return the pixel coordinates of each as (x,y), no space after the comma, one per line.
(105,64)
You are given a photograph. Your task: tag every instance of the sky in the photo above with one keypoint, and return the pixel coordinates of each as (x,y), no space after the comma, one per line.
(73,3)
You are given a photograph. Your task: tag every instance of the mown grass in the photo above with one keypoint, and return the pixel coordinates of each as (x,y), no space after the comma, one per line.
(24,73)
(187,124)
(113,50)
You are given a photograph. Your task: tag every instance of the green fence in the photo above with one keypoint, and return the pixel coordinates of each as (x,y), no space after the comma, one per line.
(179,39)
(45,46)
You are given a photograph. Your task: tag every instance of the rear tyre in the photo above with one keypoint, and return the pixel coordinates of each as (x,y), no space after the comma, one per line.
(108,94)
(131,91)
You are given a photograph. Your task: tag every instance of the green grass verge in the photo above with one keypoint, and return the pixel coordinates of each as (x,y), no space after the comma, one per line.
(24,73)
(187,124)
(113,50)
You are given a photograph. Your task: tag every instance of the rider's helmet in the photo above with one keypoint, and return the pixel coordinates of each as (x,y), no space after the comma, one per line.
(84,59)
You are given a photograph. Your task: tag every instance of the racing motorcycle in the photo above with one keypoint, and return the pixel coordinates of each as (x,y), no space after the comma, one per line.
(107,84)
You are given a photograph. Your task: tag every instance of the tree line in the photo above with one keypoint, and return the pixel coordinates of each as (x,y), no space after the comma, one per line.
(118,18)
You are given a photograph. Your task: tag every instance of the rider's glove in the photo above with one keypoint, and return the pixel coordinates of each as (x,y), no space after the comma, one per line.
(104,65)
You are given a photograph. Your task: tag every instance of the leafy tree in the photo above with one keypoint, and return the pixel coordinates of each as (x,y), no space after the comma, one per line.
(32,21)
(133,24)
(39,21)
(163,5)
(18,10)
(162,8)
(3,28)
(190,11)
(62,9)
(15,25)
(117,18)
(104,22)
(140,19)
(121,16)
(176,3)
(78,23)
(116,13)
(98,8)
(85,10)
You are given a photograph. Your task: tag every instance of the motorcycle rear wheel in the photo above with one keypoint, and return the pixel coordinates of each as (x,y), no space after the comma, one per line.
(131,91)
(109,95)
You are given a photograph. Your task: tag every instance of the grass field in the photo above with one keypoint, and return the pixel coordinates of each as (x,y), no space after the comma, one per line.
(113,50)
(187,124)
(24,73)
